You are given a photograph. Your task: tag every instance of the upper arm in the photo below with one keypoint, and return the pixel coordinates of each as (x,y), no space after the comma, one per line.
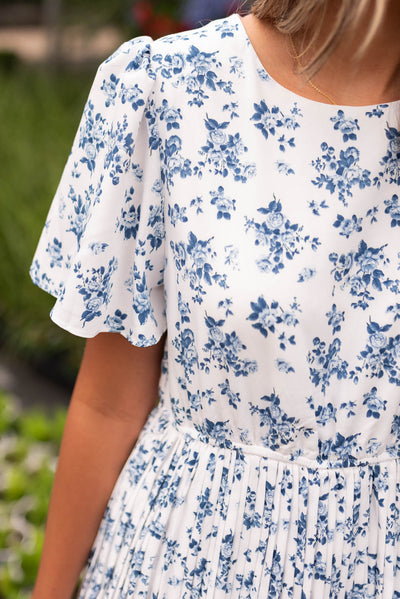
(119,379)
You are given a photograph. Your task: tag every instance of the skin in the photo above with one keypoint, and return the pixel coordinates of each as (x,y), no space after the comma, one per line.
(372,79)
(117,383)
(115,391)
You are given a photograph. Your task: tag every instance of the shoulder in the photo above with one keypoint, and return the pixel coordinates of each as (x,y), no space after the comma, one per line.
(219,32)
(170,56)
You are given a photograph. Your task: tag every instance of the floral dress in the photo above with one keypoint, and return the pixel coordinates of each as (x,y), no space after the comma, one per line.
(261,230)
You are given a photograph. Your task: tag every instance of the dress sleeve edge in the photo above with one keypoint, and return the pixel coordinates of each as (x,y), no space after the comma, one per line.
(63,319)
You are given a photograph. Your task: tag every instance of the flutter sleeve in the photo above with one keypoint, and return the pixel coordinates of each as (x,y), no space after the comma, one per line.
(101,251)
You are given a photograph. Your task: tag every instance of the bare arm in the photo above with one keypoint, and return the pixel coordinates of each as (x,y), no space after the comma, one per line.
(115,391)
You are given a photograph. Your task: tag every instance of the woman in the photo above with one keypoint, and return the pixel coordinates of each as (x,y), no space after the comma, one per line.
(226,226)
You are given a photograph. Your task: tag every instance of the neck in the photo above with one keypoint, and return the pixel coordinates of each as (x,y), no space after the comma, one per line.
(375,74)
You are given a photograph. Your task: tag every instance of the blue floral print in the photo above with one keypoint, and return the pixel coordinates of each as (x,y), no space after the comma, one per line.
(186,354)
(381,354)
(174,162)
(95,288)
(266,317)
(198,73)
(377,111)
(348,226)
(323,413)
(335,318)
(362,272)
(137,285)
(222,153)
(129,220)
(281,238)
(393,209)
(375,405)
(223,204)
(78,217)
(340,172)
(325,362)
(194,261)
(222,350)
(54,249)
(255,234)
(306,274)
(390,161)
(347,127)
(281,428)
(92,135)
(269,120)
(177,214)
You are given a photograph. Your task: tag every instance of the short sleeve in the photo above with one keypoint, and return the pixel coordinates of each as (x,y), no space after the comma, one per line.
(101,253)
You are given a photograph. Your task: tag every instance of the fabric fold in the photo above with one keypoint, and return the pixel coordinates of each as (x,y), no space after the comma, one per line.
(254,526)
(101,253)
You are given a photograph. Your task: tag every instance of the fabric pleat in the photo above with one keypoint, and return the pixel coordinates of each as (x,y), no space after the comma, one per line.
(199,520)
(254,233)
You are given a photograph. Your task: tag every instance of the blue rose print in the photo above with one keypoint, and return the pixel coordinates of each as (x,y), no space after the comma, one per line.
(340,173)
(347,127)
(281,238)
(253,234)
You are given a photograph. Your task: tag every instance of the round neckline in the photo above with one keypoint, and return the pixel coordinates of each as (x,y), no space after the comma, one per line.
(298,97)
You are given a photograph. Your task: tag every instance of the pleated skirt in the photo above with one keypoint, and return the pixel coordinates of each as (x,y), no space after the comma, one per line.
(190,519)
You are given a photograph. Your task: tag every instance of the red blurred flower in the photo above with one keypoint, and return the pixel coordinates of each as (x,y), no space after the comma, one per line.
(142,12)
(152,23)
(162,25)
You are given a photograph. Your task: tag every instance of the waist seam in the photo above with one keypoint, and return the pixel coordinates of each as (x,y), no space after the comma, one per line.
(265,453)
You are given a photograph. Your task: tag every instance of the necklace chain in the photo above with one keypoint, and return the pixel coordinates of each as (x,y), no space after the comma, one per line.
(309,81)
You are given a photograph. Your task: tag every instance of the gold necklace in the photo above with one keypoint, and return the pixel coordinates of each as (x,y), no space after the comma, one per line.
(310,83)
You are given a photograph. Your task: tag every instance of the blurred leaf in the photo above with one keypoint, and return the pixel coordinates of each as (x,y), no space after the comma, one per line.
(36,426)
(28,452)
(57,425)
(40,114)
(8,413)
(17,483)
(16,449)
(30,564)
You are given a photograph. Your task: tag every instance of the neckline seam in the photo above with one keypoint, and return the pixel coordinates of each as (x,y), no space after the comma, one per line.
(297,97)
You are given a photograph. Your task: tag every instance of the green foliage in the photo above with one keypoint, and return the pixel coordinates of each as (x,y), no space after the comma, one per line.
(36,428)
(94,13)
(29,445)
(40,114)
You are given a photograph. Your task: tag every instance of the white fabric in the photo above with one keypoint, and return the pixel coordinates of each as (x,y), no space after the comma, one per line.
(260,229)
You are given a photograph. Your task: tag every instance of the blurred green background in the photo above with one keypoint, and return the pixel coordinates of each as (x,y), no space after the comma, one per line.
(29,443)
(41,102)
(49,52)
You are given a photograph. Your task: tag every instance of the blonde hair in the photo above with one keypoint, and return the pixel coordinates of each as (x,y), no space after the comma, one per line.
(300,16)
